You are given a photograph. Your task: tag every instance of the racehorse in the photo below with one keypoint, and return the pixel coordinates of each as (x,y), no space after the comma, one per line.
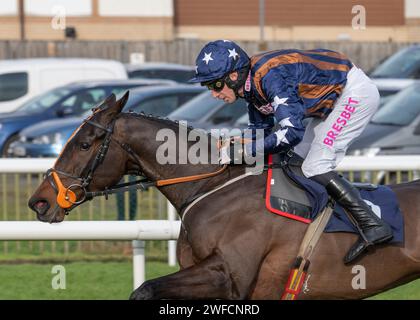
(230,246)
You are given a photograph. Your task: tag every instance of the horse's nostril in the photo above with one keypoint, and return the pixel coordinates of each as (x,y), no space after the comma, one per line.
(40,206)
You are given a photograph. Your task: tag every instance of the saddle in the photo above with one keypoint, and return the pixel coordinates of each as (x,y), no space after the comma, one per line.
(285,194)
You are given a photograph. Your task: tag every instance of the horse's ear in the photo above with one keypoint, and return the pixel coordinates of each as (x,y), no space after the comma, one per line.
(110,100)
(106,104)
(111,108)
(117,107)
(121,103)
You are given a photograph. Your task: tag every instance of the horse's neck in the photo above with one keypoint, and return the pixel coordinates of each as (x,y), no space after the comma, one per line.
(140,133)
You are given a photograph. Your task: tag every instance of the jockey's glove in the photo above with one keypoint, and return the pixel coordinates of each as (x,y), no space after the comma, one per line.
(231,152)
(254,148)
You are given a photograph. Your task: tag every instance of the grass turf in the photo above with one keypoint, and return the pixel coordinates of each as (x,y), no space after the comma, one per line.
(106,280)
(84,280)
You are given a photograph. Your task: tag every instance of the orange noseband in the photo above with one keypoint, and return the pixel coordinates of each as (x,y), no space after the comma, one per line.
(65,197)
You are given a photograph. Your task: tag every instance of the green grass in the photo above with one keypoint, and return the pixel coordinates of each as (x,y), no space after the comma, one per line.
(409,291)
(84,280)
(46,251)
(107,280)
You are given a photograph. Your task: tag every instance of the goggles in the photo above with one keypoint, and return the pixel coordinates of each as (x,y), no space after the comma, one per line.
(215,85)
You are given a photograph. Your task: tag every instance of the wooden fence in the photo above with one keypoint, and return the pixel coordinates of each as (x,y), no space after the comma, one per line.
(364,54)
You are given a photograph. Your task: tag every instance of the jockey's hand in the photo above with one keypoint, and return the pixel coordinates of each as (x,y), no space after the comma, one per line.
(231,151)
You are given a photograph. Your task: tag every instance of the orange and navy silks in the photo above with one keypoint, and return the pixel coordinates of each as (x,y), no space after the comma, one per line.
(295,84)
(296,279)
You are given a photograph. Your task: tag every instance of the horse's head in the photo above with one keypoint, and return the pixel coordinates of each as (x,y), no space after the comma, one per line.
(90,161)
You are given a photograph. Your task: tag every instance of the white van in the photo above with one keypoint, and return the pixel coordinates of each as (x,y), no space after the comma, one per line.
(22,79)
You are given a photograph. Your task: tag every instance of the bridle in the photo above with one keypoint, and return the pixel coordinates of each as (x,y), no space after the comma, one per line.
(66,196)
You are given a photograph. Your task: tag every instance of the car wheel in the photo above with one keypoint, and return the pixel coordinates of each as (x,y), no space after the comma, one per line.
(5,153)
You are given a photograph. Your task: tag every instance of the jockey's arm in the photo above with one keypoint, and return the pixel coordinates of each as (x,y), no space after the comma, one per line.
(289,113)
(257,120)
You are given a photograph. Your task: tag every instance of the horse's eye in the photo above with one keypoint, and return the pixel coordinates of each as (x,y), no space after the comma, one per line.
(84,146)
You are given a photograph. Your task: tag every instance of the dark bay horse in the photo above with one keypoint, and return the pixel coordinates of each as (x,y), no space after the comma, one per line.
(230,246)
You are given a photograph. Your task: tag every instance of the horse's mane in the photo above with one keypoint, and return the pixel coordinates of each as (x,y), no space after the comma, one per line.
(166,121)
(173,124)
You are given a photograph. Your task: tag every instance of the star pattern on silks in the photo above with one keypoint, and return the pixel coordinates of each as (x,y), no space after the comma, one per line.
(207,57)
(233,53)
(286,123)
(279,101)
(281,136)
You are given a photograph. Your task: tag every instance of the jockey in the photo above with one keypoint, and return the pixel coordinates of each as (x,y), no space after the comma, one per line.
(284,87)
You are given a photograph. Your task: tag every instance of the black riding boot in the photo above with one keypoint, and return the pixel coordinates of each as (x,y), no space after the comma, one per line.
(373,229)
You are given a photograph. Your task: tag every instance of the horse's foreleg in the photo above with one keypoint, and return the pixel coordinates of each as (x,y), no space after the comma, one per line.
(209,279)
(184,250)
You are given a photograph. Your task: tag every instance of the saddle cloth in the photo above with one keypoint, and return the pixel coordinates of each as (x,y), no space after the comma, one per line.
(294,196)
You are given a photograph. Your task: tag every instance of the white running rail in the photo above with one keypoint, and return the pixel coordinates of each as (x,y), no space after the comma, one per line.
(137,231)
(349,163)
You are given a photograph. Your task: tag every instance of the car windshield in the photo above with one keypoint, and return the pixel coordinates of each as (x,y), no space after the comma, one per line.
(403,108)
(404,64)
(43,102)
(176,75)
(196,108)
(243,120)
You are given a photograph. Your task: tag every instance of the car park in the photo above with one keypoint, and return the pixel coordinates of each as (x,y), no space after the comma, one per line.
(397,72)
(47,138)
(394,129)
(23,79)
(206,112)
(154,70)
(69,100)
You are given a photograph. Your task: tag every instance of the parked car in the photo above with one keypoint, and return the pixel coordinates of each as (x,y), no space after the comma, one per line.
(70,100)
(206,112)
(154,70)
(394,129)
(47,138)
(397,72)
(23,79)
(242,122)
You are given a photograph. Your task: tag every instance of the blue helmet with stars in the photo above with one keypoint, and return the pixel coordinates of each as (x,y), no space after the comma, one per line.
(217,59)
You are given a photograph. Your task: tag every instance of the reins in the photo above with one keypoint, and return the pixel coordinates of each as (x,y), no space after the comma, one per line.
(144,184)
